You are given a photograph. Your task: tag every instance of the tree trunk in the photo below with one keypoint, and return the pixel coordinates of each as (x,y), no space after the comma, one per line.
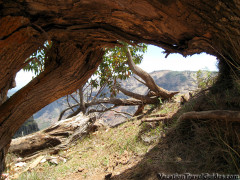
(214,114)
(63,75)
(82,28)
(82,102)
(54,138)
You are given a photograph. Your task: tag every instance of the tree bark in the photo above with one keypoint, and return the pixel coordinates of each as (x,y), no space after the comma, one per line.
(63,75)
(82,28)
(54,138)
(82,103)
(214,114)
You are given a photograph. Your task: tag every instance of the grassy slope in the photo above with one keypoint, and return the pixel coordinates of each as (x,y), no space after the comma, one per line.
(107,150)
(177,147)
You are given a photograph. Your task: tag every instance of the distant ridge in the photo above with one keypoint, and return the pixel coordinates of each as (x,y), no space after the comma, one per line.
(182,81)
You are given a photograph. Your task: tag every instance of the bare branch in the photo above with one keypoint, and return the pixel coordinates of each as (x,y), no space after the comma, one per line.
(144,114)
(100,90)
(121,112)
(120,102)
(148,79)
(81,96)
(145,99)
(74,99)
(65,110)
(139,80)
(101,110)
(69,105)
(165,118)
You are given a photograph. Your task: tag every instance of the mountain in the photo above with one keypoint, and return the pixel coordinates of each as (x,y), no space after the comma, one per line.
(50,113)
(182,81)
(29,126)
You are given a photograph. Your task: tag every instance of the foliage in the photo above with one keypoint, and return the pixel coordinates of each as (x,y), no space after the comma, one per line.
(205,79)
(114,66)
(37,59)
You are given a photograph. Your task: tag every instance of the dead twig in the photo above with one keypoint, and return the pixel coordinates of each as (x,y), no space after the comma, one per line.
(159,118)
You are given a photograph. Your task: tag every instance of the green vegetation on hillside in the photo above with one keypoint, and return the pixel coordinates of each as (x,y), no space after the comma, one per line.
(29,126)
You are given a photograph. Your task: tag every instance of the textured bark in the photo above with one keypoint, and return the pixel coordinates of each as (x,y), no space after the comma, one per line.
(54,138)
(79,29)
(214,114)
(62,76)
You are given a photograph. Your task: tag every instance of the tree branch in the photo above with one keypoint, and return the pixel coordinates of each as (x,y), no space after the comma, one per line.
(65,110)
(120,102)
(139,80)
(148,79)
(143,98)
(161,118)
(69,105)
(121,112)
(101,110)
(74,99)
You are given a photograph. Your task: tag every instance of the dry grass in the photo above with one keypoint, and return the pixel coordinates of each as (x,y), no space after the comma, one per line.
(100,152)
(193,146)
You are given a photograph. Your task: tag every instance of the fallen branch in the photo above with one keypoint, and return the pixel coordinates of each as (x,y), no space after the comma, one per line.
(56,137)
(157,115)
(214,114)
(161,118)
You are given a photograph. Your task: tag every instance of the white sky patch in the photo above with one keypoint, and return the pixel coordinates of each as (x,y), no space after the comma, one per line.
(155,60)
(22,78)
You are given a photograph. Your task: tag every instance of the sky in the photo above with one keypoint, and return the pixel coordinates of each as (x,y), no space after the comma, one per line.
(153,60)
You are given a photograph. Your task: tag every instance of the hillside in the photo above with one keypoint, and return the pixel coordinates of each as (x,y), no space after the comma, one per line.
(182,81)
(140,150)
(195,137)
(28,127)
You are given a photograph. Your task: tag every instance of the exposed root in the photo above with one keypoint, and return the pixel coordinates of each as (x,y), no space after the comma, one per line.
(214,114)
(161,118)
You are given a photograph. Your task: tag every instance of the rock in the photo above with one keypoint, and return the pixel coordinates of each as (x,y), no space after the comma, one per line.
(108,176)
(20,164)
(80,169)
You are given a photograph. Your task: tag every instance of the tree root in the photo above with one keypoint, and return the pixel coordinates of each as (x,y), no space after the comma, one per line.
(159,118)
(214,114)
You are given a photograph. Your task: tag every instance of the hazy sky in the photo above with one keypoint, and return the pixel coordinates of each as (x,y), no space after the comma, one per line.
(154,60)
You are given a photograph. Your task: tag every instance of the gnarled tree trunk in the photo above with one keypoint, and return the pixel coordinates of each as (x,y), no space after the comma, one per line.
(63,75)
(79,29)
